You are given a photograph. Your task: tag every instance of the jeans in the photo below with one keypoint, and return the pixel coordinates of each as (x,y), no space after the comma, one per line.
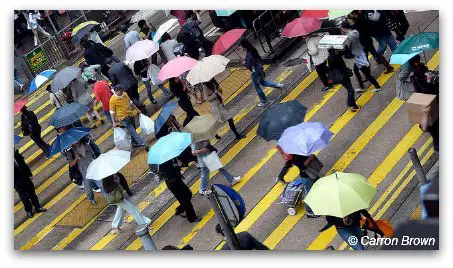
(150,93)
(384,41)
(351,94)
(205,177)
(307,183)
(258,79)
(108,115)
(28,196)
(346,233)
(89,186)
(129,124)
(129,207)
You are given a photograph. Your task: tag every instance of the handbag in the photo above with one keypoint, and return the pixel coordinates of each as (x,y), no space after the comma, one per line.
(115,196)
(313,167)
(75,175)
(212,162)
(382,227)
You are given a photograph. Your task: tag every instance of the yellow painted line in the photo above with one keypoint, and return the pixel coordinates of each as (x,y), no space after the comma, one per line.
(417,213)
(244,86)
(283,229)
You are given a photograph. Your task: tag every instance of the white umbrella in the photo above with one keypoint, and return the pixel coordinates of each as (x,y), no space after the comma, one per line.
(143,15)
(141,50)
(165,27)
(206,69)
(108,164)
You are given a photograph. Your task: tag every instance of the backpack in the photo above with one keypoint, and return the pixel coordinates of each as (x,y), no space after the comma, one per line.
(114,193)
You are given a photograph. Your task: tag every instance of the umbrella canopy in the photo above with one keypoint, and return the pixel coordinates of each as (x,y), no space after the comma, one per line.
(81,30)
(227,40)
(206,69)
(203,127)
(318,14)
(64,77)
(337,13)
(17,139)
(169,147)
(340,194)
(40,79)
(305,138)
(68,138)
(280,117)
(67,114)
(224,13)
(301,26)
(18,105)
(176,67)
(402,58)
(108,164)
(141,50)
(418,43)
(143,15)
(164,114)
(165,27)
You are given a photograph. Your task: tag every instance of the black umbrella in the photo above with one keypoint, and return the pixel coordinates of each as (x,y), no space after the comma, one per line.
(64,77)
(424,235)
(67,114)
(280,117)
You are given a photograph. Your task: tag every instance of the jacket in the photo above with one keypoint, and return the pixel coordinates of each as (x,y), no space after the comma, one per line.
(336,63)
(30,122)
(353,218)
(378,23)
(217,108)
(119,73)
(22,172)
(318,55)
(97,54)
(90,72)
(296,160)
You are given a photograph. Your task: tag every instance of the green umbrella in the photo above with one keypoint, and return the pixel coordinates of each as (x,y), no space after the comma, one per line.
(340,194)
(336,13)
(203,127)
(418,43)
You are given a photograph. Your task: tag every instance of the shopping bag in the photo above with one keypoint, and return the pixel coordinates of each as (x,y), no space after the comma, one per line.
(377,226)
(212,162)
(147,124)
(122,139)
(307,60)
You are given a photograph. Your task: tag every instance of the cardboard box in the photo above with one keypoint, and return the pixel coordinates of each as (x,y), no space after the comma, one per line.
(417,102)
(335,41)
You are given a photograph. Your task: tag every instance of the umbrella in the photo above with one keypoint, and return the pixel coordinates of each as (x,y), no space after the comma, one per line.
(340,194)
(301,26)
(203,127)
(16,139)
(402,58)
(168,147)
(108,164)
(18,105)
(141,50)
(143,15)
(40,79)
(81,30)
(318,14)
(164,114)
(305,138)
(67,114)
(227,40)
(418,43)
(206,69)
(165,27)
(337,13)
(224,13)
(64,77)
(68,138)
(176,67)
(280,117)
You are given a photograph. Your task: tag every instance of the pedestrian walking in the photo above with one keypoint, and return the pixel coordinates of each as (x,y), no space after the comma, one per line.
(360,59)
(130,37)
(340,74)
(178,90)
(88,72)
(191,46)
(253,62)
(319,58)
(102,93)
(121,109)
(168,45)
(57,99)
(192,25)
(174,181)
(211,92)
(202,149)
(33,25)
(380,31)
(95,53)
(181,15)
(31,127)
(397,22)
(24,186)
(147,31)
(148,72)
(80,93)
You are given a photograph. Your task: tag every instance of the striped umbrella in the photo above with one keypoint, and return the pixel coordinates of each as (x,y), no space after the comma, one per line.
(81,30)
(40,79)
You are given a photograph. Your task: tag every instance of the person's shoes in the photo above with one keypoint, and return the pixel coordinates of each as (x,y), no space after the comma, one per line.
(376,89)
(330,248)
(40,209)
(217,137)
(115,231)
(389,70)
(93,202)
(129,193)
(94,127)
(97,190)
(261,104)
(240,136)
(205,192)
(236,180)
(326,88)
(281,181)
(198,219)
(30,214)
(310,215)
(102,121)
(354,109)
(359,90)
(281,86)
(153,101)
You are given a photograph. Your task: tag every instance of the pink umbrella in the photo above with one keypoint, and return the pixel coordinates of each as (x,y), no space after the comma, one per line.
(317,14)
(226,41)
(18,105)
(301,26)
(176,67)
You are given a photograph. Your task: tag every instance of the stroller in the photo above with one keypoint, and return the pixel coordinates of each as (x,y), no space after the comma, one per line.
(292,195)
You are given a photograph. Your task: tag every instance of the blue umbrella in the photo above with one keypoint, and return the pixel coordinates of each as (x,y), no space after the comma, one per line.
(40,79)
(169,147)
(224,13)
(235,197)
(305,138)
(67,139)
(16,139)
(402,58)
(67,114)
(164,114)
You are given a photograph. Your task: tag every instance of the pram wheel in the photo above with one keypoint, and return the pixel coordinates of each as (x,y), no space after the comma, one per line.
(291,211)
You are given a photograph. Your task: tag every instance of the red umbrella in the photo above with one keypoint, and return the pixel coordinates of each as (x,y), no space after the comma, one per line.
(227,40)
(301,26)
(18,105)
(317,14)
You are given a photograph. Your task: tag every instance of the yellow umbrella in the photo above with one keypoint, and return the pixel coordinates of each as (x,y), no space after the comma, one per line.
(83,25)
(203,127)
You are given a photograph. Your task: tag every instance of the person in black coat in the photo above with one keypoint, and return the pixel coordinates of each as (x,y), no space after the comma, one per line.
(246,241)
(96,53)
(31,127)
(398,23)
(173,179)
(177,89)
(377,20)
(24,186)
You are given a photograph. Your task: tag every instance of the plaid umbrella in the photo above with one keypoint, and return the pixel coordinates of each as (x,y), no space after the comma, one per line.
(67,114)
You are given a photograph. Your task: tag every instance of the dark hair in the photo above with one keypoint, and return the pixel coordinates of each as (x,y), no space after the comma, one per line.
(141,23)
(108,61)
(414,60)
(91,81)
(85,44)
(189,13)
(219,230)
(165,37)
(123,28)
(118,87)
(49,88)
(83,65)
(250,48)
(345,24)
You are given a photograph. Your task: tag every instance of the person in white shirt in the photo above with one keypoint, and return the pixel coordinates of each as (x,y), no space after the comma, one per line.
(57,99)
(33,17)
(319,58)
(168,45)
(131,37)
